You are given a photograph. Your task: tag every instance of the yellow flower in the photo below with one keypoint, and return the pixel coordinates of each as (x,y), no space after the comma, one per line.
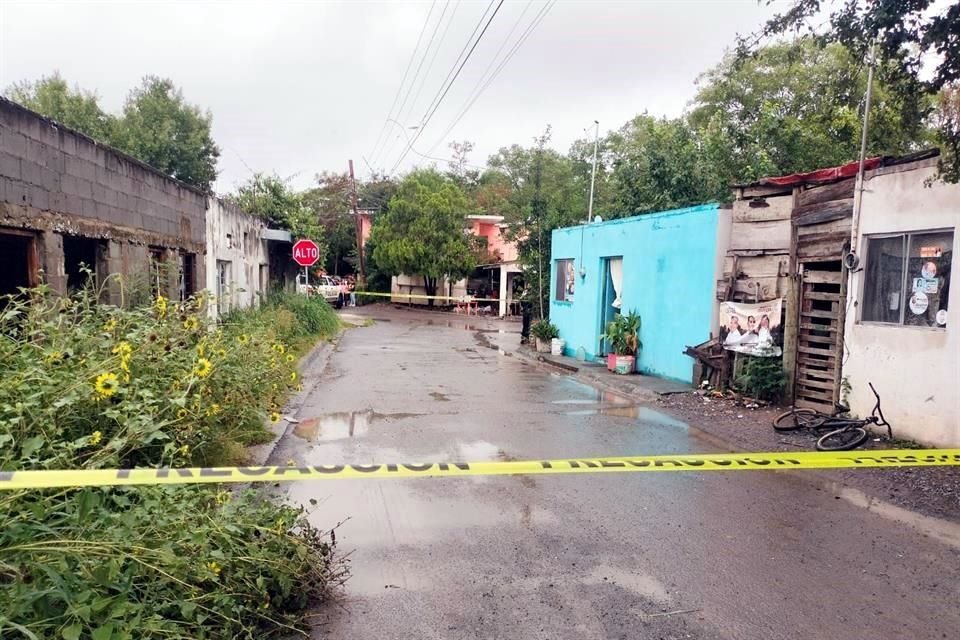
(160,304)
(191,323)
(279,348)
(299,387)
(223,497)
(222,353)
(110,325)
(123,349)
(181,414)
(95,438)
(275,417)
(243,338)
(214,567)
(106,384)
(55,358)
(184,450)
(203,368)
(293,376)
(215,409)
(290,357)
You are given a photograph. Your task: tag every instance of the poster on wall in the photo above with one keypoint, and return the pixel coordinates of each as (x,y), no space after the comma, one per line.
(752,329)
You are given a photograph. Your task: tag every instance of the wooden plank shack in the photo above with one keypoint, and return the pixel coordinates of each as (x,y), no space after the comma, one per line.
(756,264)
(813,340)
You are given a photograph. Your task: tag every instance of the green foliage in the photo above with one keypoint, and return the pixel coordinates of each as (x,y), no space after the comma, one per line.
(91,386)
(544,330)
(913,38)
(75,108)
(623,334)
(161,128)
(760,109)
(762,378)
(947,122)
(422,232)
(157,126)
(541,195)
(271,198)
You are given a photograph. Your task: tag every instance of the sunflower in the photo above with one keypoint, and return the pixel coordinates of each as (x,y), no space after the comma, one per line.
(54,358)
(160,305)
(95,438)
(181,414)
(191,323)
(290,357)
(293,376)
(106,384)
(243,338)
(279,348)
(203,368)
(275,417)
(110,325)
(123,349)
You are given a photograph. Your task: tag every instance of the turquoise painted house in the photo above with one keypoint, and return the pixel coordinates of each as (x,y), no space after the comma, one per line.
(665,266)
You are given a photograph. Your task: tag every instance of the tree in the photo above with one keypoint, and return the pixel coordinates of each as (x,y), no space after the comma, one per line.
(160,128)
(330,204)
(542,196)
(272,199)
(658,164)
(422,233)
(52,97)
(795,106)
(909,34)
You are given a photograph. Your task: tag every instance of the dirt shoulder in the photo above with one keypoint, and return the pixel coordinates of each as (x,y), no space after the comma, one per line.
(931,491)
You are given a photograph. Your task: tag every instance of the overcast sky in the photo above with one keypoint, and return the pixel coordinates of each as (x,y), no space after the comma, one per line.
(300,87)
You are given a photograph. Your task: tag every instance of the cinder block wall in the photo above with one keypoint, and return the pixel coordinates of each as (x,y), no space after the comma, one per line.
(59,182)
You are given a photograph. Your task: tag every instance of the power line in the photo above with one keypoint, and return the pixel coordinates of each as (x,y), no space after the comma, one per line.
(423,79)
(439,101)
(486,83)
(413,56)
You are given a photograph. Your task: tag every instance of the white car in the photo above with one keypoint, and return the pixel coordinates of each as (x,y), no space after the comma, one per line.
(324,286)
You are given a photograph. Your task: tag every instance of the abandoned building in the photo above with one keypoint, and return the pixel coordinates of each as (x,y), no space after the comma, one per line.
(67,200)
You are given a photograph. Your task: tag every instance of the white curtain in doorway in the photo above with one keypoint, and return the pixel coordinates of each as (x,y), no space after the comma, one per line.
(616,274)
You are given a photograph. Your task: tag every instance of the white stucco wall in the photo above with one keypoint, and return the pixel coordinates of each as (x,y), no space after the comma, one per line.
(236,237)
(916,370)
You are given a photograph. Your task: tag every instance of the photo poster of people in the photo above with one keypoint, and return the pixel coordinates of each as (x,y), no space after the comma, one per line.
(752,329)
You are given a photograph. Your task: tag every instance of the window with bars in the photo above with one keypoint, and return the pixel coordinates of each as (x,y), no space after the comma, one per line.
(907,278)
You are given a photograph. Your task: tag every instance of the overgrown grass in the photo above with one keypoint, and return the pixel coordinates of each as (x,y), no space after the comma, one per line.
(91,386)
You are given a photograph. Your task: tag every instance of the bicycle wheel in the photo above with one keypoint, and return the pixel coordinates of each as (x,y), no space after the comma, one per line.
(843,439)
(798,419)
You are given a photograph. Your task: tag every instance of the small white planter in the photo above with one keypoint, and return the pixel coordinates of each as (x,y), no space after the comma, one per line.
(556,346)
(543,346)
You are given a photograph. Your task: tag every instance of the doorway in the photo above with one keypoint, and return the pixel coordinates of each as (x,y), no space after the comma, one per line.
(611,290)
(18,261)
(82,258)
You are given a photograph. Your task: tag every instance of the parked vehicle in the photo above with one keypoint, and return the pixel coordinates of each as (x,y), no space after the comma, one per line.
(843,433)
(324,286)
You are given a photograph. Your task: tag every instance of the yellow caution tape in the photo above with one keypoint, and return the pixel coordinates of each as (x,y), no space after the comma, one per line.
(12,480)
(423,297)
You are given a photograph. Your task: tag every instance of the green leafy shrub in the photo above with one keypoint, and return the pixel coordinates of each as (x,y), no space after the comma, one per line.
(92,386)
(623,334)
(544,330)
(762,378)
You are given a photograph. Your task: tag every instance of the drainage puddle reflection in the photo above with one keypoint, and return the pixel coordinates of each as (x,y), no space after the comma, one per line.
(345,424)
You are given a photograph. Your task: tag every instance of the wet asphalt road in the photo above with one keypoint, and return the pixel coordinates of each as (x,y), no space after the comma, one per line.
(675,555)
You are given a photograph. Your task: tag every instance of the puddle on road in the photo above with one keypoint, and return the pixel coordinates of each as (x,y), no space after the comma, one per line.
(344,424)
(941,530)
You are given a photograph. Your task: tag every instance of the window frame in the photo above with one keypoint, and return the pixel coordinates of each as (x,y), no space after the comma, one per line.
(907,244)
(557,288)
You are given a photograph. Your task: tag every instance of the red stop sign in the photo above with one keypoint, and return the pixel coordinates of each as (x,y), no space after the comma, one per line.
(305,252)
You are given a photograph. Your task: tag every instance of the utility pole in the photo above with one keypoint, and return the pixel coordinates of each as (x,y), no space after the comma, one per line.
(362,280)
(593,172)
(858,195)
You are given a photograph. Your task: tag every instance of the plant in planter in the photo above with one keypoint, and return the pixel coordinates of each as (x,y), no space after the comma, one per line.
(544,331)
(623,336)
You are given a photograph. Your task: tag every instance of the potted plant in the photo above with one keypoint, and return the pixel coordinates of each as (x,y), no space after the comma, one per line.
(544,331)
(623,335)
